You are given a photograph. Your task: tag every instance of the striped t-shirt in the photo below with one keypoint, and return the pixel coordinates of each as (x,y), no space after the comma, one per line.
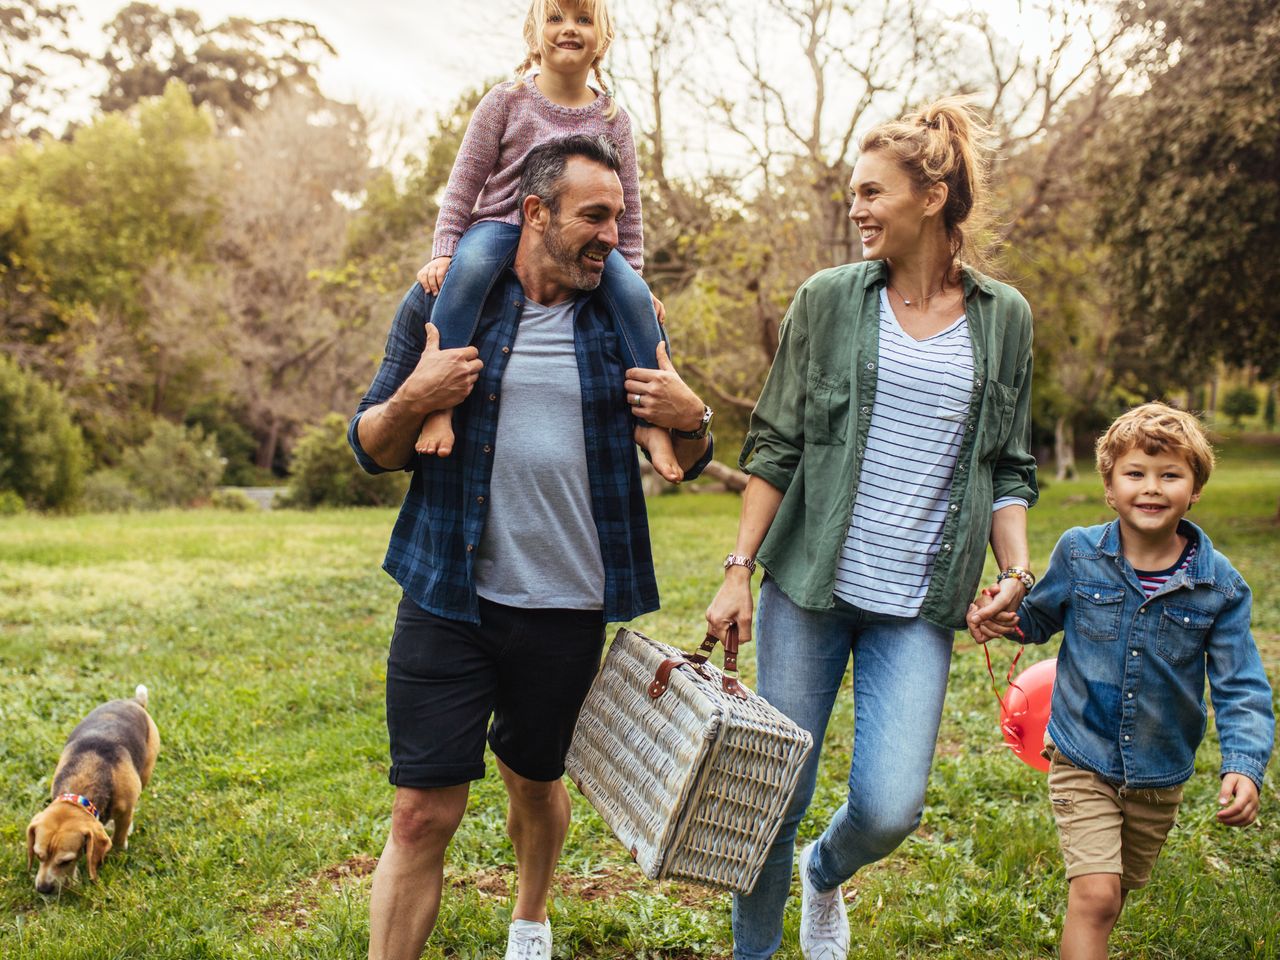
(1153,580)
(917,426)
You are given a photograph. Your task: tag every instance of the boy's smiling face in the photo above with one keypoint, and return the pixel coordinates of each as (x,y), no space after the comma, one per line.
(1151,493)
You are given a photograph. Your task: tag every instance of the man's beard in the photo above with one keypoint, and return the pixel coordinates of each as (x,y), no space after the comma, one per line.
(577,274)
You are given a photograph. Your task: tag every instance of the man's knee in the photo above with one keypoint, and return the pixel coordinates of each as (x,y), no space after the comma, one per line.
(427,817)
(1096,898)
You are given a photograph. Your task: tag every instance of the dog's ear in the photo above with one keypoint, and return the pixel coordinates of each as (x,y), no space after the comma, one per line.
(31,844)
(97,843)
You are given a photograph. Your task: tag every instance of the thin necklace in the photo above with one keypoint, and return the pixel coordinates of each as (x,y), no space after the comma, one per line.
(926,299)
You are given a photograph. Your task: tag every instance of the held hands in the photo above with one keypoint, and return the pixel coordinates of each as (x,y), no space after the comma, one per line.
(442,378)
(662,398)
(432,275)
(997,616)
(1238,799)
(732,604)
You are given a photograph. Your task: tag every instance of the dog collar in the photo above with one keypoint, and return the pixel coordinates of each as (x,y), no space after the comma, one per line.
(80,801)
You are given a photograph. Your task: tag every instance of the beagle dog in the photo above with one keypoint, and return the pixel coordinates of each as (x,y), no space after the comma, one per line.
(107,761)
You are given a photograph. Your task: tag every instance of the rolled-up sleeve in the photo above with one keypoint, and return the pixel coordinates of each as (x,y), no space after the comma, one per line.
(405,344)
(775,436)
(1014,473)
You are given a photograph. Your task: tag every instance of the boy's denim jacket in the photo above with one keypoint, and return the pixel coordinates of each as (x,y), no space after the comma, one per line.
(1128,701)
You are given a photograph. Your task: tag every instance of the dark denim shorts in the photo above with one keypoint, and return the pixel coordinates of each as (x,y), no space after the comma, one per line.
(521,675)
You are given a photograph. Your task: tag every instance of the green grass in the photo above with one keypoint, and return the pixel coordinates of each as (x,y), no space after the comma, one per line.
(263,638)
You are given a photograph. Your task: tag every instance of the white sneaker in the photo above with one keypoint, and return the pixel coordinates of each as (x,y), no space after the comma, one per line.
(529,940)
(824,924)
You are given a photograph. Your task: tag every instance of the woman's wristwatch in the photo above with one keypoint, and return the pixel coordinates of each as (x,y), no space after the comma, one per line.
(1026,577)
(737,560)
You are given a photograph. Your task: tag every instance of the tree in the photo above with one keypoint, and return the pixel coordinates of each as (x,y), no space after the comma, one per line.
(33,37)
(233,67)
(1190,176)
(42,456)
(1240,402)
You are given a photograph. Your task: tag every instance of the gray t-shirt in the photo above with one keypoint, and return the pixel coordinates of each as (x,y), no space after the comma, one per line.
(540,547)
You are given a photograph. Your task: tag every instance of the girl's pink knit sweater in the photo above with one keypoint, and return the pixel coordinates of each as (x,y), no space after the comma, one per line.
(509,122)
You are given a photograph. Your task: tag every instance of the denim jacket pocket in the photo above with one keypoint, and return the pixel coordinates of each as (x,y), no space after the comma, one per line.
(1182,632)
(826,410)
(996,419)
(1097,609)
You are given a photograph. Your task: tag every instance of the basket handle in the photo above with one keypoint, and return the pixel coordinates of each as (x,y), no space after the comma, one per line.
(728,682)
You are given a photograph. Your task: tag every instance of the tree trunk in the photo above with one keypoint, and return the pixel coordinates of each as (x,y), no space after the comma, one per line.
(267,448)
(734,480)
(1064,448)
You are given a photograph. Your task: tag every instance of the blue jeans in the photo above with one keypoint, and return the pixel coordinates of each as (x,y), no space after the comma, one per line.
(481,254)
(900,668)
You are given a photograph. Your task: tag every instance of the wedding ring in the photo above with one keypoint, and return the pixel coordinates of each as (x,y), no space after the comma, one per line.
(635,399)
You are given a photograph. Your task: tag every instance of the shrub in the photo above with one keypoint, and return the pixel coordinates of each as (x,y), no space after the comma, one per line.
(42,452)
(232,499)
(109,491)
(1240,402)
(325,473)
(11,504)
(224,421)
(176,467)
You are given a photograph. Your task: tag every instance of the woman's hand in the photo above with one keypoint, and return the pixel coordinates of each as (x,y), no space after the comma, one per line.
(659,309)
(432,275)
(732,604)
(997,616)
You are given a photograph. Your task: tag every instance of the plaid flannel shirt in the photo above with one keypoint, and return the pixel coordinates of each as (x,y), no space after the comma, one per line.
(432,549)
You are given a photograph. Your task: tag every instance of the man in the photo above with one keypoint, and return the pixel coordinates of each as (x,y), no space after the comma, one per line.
(516,550)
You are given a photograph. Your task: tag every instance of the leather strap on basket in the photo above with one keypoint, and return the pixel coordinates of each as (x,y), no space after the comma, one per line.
(728,682)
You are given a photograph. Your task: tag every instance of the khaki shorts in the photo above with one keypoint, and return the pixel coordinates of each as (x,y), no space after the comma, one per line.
(1106,829)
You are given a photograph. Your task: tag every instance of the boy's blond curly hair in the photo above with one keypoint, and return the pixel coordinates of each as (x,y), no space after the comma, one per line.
(1157,428)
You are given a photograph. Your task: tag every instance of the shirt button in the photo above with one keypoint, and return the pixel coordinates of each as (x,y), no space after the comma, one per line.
(953,508)
(866,409)
(1126,738)
(1133,652)
(506,349)
(1129,696)
(871,366)
(1186,619)
(479,499)
(1097,596)
(1142,612)
(470,547)
(517,303)
(492,397)
(488,449)
(978,382)
(946,546)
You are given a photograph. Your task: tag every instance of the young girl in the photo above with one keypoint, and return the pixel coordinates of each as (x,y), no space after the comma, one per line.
(478,226)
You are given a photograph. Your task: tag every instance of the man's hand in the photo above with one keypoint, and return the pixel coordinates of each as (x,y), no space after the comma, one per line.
(432,275)
(1238,799)
(442,378)
(661,397)
(997,616)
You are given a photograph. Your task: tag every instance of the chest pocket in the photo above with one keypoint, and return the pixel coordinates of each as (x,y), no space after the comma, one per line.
(826,409)
(996,419)
(1182,632)
(1097,610)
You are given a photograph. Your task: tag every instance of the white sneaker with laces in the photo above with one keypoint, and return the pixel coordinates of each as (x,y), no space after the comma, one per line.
(824,924)
(528,940)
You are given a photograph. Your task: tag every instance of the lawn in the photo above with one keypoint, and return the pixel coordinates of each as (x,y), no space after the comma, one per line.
(262,638)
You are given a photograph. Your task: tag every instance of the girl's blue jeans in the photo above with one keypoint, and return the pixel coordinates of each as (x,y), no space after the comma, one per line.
(483,251)
(900,668)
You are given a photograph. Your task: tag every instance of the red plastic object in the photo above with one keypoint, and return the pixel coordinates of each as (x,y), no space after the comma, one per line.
(1024,712)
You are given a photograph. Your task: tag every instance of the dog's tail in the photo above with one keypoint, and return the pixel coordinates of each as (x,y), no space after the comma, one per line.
(140,694)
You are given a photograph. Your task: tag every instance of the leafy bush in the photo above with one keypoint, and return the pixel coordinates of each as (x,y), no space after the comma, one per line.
(42,453)
(325,472)
(232,499)
(109,491)
(1240,402)
(223,421)
(176,467)
(11,504)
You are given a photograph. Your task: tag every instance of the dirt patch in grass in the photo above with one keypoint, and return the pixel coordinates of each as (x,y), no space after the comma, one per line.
(295,908)
(499,882)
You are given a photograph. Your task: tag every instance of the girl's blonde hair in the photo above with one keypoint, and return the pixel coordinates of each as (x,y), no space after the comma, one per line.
(942,143)
(540,11)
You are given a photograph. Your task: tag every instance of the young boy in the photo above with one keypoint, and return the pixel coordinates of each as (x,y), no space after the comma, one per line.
(1146,606)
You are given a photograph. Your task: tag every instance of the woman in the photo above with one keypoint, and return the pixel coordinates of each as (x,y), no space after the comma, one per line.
(889,445)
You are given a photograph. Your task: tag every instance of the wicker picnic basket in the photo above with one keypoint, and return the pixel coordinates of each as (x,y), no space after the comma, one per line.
(691,770)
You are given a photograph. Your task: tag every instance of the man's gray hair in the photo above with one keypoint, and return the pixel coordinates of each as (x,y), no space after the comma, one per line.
(543,172)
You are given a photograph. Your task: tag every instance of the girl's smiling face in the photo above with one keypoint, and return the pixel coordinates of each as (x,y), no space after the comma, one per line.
(569,41)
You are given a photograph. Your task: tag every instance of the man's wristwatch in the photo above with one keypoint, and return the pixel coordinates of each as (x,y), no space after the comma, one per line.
(1025,576)
(737,560)
(703,428)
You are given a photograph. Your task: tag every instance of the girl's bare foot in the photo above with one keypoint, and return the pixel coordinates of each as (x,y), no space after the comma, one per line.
(662,452)
(436,438)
